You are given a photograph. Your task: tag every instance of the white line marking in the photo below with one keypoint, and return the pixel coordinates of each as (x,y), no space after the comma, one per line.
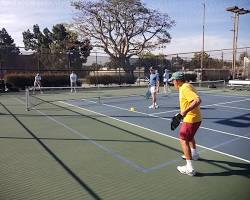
(248,161)
(167,112)
(220,95)
(226,133)
(227,102)
(233,107)
(153,115)
(216,104)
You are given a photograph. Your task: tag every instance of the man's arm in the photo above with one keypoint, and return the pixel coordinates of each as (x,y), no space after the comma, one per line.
(157,85)
(195,103)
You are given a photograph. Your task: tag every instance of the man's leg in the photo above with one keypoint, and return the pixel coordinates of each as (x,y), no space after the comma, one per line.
(152,90)
(155,104)
(71,86)
(75,87)
(39,86)
(194,153)
(184,140)
(186,149)
(188,168)
(153,99)
(34,88)
(166,87)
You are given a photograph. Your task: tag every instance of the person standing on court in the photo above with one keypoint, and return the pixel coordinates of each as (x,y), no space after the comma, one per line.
(154,82)
(73,79)
(191,114)
(37,82)
(165,81)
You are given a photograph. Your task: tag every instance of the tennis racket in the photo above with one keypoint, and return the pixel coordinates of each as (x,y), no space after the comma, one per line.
(175,121)
(148,93)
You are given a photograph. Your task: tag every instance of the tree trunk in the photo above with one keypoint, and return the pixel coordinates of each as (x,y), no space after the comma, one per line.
(127,67)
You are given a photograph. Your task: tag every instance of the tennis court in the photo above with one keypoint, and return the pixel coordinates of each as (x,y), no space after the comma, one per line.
(84,146)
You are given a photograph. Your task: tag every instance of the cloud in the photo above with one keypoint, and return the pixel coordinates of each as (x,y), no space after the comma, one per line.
(194,43)
(18,16)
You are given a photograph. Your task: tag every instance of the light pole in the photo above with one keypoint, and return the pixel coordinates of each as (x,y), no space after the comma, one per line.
(203,40)
(237,12)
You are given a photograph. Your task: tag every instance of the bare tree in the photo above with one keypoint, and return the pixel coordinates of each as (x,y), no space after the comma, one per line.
(122,28)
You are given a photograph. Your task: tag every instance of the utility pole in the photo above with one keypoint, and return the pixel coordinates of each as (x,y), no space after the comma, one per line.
(237,12)
(203,39)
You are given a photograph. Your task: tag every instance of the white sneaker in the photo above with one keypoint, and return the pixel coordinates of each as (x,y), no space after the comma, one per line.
(185,170)
(150,107)
(194,157)
(156,106)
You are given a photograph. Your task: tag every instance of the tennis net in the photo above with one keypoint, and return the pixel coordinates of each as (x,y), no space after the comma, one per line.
(36,97)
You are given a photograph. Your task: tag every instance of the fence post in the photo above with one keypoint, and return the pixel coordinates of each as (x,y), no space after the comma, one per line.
(27,99)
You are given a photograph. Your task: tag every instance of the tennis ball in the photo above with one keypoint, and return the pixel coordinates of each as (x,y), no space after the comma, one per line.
(132,109)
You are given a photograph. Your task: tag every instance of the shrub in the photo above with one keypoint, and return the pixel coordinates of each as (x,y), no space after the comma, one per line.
(190,77)
(108,79)
(22,80)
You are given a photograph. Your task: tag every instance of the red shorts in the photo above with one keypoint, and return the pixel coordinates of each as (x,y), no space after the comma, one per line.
(188,130)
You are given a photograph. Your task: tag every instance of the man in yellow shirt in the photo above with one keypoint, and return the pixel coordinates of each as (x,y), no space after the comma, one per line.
(191,114)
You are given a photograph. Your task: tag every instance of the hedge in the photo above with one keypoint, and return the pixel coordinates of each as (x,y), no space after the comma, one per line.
(21,80)
(108,79)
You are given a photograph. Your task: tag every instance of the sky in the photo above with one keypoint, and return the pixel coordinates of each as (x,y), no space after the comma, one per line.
(17,16)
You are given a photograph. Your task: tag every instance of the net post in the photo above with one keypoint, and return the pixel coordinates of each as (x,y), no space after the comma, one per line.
(27,99)
(99,94)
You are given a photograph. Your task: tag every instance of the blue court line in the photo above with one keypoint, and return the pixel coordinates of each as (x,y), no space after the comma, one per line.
(162,165)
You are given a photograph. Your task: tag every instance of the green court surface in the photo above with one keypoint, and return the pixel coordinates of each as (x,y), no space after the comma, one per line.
(56,153)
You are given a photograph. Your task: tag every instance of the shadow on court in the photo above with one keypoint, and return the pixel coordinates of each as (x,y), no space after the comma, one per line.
(228,168)
(239,121)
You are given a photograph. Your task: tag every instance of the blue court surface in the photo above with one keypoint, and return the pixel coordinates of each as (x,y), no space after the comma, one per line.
(225,128)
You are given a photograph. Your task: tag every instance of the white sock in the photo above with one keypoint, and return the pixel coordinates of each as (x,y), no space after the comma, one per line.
(189,164)
(194,151)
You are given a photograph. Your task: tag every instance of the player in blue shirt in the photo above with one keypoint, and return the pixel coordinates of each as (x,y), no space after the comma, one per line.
(154,82)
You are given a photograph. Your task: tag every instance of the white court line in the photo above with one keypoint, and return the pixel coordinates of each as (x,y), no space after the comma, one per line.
(155,116)
(220,95)
(232,156)
(178,110)
(215,104)
(239,108)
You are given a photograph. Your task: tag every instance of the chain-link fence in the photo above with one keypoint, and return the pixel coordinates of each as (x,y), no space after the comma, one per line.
(217,64)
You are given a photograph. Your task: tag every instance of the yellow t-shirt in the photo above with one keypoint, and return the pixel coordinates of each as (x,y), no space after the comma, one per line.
(187,94)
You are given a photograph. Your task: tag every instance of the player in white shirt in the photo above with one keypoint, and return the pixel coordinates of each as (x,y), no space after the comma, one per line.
(73,79)
(37,82)
(165,81)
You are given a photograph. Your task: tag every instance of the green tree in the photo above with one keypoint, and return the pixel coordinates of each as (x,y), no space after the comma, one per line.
(122,28)
(59,47)
(147,60)
(177,63)
(8,48)
(196,60)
